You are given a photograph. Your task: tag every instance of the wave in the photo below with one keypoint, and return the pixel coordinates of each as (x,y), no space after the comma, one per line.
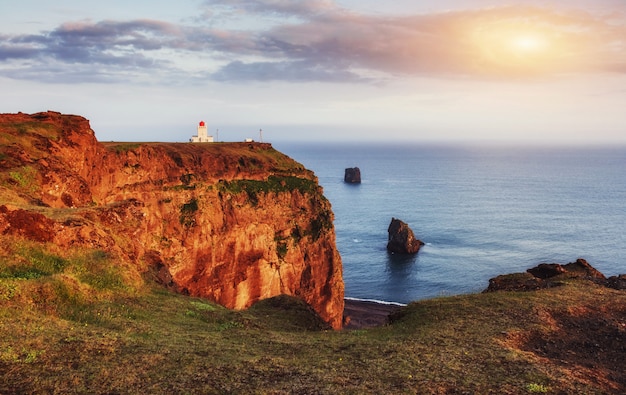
(376,301)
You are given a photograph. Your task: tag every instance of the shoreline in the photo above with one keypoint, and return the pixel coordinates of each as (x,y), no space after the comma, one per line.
(361,314)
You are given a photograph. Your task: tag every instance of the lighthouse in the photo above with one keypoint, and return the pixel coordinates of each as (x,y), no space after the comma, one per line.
(202,136)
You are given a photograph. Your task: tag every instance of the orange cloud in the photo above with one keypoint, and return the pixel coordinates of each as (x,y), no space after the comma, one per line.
(540,41)
(504,41)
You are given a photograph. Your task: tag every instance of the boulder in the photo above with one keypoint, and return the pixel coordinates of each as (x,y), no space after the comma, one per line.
(402,239)
(352,176)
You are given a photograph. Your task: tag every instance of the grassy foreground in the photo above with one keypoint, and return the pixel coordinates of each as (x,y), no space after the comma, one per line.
(71,323)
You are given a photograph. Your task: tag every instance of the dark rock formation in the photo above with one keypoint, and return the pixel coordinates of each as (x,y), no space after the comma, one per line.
(546,270)
(352,176)
(516,282)
(617,282)
(401,238)
(581,268)
(548,275)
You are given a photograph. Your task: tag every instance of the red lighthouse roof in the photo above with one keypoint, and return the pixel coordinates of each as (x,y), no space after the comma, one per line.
(201,123)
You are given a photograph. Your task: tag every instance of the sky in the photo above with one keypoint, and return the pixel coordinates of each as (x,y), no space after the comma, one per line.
(520,72)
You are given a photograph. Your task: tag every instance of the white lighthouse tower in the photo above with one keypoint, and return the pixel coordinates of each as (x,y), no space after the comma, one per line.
(202,136)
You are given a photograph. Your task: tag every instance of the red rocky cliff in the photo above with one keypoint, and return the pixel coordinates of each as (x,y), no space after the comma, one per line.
(232,222)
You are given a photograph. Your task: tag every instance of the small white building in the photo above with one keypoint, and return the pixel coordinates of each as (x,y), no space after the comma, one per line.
(202,136)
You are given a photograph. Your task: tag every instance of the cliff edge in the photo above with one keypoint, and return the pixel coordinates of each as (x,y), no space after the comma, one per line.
(231,222)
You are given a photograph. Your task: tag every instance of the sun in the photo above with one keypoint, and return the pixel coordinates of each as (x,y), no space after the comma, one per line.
(528,43)
(518,45)
(513,48)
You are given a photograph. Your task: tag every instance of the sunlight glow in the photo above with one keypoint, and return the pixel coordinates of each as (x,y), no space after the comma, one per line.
(528,43)
(508,48)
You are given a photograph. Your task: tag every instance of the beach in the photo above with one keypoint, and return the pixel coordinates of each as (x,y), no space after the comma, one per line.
(360,314)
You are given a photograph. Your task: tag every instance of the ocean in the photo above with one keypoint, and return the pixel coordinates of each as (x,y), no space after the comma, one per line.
(481,212)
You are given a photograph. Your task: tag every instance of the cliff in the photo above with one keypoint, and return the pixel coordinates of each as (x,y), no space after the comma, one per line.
(231,222)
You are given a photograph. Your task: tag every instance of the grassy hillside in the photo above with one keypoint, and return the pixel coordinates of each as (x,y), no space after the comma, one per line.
(77,322)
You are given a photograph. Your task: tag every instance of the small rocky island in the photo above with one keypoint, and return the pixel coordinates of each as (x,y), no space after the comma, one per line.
(402,240)
(352,175)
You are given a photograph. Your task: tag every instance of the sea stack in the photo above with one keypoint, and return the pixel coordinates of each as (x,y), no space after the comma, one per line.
(352,176)
(402,239)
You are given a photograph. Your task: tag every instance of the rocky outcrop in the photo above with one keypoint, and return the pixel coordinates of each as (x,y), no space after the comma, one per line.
(617,282)
(580,268)
(546,270)
(517,282)
(402,240)
(546,275)
(352,175)
(231,222)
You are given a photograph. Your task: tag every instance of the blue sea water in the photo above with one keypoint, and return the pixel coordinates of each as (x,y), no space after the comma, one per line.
(482,212)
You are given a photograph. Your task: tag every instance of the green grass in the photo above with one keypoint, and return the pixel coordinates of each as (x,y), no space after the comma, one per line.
(534,388)
(321,224)
(35,264)
(33,127)
(27,261)
(25,177)
(66,333)
(188,213)
(274,184)
(120,148)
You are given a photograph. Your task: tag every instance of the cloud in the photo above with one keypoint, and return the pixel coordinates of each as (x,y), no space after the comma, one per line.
(291,71)
(108,49)
(304,8)
(325,43)
(463,43)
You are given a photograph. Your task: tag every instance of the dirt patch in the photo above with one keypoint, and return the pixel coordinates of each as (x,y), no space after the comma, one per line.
(33,226)
(360,314)
(588,344)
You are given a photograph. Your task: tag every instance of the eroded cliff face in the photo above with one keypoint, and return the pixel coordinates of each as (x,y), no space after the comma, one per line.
(232,222)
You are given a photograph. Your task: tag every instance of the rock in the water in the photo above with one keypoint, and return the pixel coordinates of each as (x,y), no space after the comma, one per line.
(401,238)
(352,176)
